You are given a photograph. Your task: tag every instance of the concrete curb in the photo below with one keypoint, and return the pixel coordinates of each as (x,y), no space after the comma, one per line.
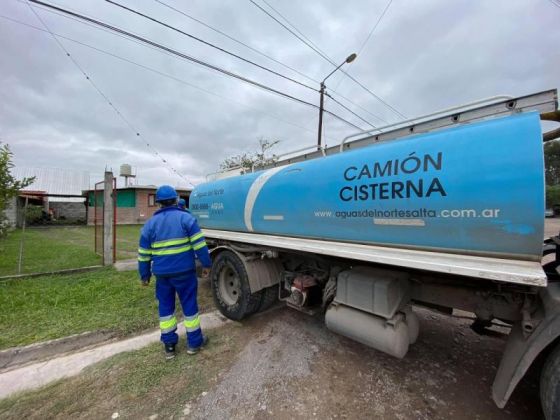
(39,374)
(16,356)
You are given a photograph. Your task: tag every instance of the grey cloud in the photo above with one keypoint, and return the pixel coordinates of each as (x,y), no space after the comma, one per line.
(423,56)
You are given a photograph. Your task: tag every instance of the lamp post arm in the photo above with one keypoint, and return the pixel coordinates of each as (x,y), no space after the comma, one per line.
(331,73)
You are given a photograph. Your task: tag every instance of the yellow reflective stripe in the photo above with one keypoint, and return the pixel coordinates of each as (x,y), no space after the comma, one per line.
(144,259)
(168,324)
(196,237)
(199,245)
(144,251)
(171,242)
(192,324)
(172,251)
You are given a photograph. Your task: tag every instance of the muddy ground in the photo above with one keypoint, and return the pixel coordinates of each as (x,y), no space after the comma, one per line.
(293,367)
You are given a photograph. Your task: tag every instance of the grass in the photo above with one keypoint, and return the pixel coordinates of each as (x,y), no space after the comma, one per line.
(47,307)
(136,384)
(57,248)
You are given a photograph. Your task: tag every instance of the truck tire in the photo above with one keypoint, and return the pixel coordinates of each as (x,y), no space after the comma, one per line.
(550,385)
(269,297)
(230,287)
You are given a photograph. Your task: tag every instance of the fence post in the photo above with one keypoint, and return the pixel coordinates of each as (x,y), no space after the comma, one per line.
(108,214)
(22,234)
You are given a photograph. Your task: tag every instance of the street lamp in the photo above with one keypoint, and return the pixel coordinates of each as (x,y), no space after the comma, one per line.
(349,59)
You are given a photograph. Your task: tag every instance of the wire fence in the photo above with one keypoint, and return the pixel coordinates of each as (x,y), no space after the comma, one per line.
(49,248)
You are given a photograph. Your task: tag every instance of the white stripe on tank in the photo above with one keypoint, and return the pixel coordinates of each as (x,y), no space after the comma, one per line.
(253,193)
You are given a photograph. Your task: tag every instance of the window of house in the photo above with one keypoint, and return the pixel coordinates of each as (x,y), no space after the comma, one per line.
(151,200)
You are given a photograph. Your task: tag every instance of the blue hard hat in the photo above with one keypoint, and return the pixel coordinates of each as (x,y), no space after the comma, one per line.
(165,192)
(182,203)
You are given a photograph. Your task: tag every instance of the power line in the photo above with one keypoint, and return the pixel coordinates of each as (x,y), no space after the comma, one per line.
(349,110)
(151,69)
(189,58)
(231,38)
(104,96)
(159,22)
(267,56)
(325,57)
(366,40)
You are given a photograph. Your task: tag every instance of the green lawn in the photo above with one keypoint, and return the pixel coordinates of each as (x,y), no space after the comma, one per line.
(47,307)
(135,385)
(57,248)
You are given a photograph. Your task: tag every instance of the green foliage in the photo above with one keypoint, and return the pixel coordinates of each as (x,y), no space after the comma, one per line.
(249,160)
(9,186)
(552,196)
(552,163)
(33,214)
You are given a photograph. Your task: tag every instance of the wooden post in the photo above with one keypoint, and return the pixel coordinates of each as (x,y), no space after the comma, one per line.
(108,215)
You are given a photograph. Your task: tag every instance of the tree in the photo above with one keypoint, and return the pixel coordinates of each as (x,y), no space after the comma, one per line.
(552,162)
(9,186)
(246,161)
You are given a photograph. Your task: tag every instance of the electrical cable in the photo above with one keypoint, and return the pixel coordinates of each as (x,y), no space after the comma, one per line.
(231,38)
(159,22)
(225,51)
(349,110)
(159,72)
(91,25)
(365,41)
(189,58)
(105,97)
(325,57)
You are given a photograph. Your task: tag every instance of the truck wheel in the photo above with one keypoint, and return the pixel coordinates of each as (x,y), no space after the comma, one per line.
(269,297)
(550,385)
(230,287)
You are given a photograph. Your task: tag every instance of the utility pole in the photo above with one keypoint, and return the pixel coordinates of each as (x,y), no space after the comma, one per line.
(320,134)
(349,59)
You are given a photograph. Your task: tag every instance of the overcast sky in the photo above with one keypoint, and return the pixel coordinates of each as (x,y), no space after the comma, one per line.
(423,56)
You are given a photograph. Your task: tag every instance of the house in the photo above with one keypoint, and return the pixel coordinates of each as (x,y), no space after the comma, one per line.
(135,203)
(54,196)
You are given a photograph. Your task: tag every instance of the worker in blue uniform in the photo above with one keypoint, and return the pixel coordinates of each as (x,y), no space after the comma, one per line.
(169,242)
(182,204)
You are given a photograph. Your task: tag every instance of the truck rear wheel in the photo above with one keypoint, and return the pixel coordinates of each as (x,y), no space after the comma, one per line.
(230,287)
(550,385)
(269,297)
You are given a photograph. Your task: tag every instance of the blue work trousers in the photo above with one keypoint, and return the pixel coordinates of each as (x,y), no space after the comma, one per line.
(185,285)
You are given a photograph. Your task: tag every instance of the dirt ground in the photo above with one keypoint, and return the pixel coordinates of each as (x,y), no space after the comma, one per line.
(551,226)
(293,367)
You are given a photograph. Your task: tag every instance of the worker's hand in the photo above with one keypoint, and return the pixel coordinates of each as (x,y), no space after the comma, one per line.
(145,282)
(205,272)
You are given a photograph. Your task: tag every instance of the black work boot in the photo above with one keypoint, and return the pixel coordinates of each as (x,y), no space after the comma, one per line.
(169,351)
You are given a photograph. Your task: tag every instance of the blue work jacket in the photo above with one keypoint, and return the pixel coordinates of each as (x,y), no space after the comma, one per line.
(169,242)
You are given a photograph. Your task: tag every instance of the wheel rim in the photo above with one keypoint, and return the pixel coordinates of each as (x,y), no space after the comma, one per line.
(229,285)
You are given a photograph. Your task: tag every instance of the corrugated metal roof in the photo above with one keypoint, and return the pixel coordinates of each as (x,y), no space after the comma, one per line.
(54,181)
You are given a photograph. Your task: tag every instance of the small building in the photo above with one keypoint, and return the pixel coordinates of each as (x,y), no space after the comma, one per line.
(135,203)
(54,197)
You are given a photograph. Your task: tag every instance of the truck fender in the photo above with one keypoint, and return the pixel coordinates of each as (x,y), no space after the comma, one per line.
(521,351)
(262,273)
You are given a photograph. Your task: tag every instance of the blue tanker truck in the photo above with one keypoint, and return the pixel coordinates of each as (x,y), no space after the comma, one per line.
(444,211)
